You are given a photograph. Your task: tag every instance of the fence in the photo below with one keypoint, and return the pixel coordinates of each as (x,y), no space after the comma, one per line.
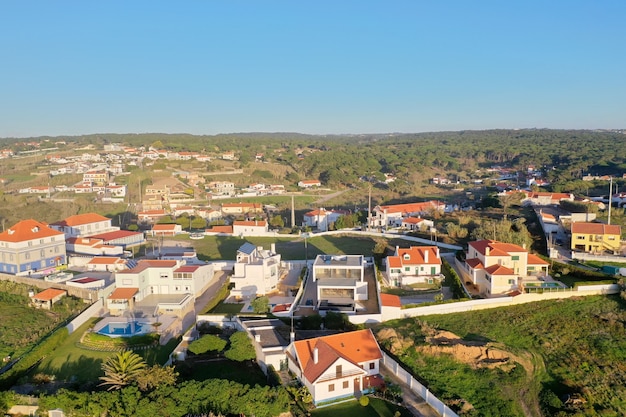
(417,388)
(89,312)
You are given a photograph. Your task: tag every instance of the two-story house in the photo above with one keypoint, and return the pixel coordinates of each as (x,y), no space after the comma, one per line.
(256,272)
(498,268)
(249,227)
(596,237)
(321,219)
(31,246)
(84,225)
(340,281)
(337,366)
(417,264)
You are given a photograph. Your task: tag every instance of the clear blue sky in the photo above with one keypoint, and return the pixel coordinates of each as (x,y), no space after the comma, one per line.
(339,66)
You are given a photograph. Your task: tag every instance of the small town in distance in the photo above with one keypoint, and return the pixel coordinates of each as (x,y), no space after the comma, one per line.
(321,283)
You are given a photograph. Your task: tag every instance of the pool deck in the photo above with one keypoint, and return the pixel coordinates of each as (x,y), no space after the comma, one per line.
(163,319)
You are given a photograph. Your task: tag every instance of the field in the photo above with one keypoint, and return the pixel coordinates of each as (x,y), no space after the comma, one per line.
(223,247)
(556,358)
(376,408)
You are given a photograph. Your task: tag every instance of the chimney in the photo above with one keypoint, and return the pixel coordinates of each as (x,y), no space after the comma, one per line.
(438,255)
(426,255)
(397,249)
(487,250)
(315,356)
(273,247)
(292,337)
(257,338)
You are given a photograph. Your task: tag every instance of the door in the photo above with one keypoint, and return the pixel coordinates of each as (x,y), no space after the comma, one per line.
(164,289)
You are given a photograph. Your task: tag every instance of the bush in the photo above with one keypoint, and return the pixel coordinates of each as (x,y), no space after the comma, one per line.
(364,400)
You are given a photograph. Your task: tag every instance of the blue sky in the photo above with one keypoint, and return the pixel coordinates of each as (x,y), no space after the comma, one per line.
(208,67)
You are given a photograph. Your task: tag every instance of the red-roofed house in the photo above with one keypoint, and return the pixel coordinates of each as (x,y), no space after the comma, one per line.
(87,224)
(30,246)
(309,183)
(219,230)
(417,264)
(166,229)
(392,215)
(498,268)
(47,297)
(321,219)
(337,366)
(91,246)
(151,215)
(106,263)
(416,224)
(161,277)
(249,227)
(596,237)
(123,238)
(546,198)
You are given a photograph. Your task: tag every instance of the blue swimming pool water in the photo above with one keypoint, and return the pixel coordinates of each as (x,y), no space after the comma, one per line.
(124,329)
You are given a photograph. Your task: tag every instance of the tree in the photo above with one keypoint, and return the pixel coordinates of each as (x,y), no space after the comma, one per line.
(156,376)
(241,348)
(261,305)
(121,369)
(277,221)
(207,343)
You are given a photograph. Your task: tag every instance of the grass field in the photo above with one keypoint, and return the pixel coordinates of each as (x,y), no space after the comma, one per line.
(564,349)
(70,362)
(376,408)
(293,248)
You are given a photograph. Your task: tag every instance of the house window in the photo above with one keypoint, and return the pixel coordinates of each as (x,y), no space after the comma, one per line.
(27,255)
(515,258)
(372,365)
(511,281)
(164,276)
(580,237)
(56,249)
(41,241)
(42,253)
(331,387)
(407,268)
(346,384)
(30,243)
(421,269)
(338,371)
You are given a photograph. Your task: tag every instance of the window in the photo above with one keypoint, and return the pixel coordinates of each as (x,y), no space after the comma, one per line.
(331,387)
(42,253)
(346,384)
(41,241)
(164,276)
(30,243)
(372,365)
(338,371)
(27,255)
(407,268)
(515,258)
(511,281)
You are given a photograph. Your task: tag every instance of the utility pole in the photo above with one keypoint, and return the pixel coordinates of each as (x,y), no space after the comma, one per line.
(610,198)
(369,208)
(293,212)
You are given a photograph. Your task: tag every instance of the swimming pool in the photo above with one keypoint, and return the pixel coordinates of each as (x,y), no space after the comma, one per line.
(124,329)
(543,285)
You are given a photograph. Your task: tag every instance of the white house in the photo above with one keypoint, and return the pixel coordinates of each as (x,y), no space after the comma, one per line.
(417,264)
(309,183)
(90,246)
(87,224)
(340,282)
(321,219)
(414,224)
(337,366)
(392,215)
(249,227)
(257,271)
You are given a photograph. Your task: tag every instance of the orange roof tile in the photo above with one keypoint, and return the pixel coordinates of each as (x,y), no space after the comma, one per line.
(105,260)
(390,300)
(28,230)
(356,347)
(49,294)
(249,223)
(596,228)
(474,263)
(416,255)
(80,219)
(123,293)
(535,260)
(499,270)
(220,229)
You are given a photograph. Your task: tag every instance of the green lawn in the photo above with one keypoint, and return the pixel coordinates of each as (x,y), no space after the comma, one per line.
(227,308)
(291,248)
(72,362)
(376,408)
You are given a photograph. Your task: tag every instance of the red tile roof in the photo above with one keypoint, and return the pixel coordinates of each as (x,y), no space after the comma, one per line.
(123,293)
(80,219)
(409,208)
(356,347)
(412,220)
(495,248)
(535,260)
(474,263)
(164,227)
(220,229)
(260,223)
(596,228)
(499,270)
(28,230)
(86,280)
(105,260)
(187,268)
(415,255)
(118,234)
(49,294)
(390,300)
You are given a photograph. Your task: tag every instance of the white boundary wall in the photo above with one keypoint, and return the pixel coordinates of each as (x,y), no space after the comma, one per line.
(82,318)
(417,388)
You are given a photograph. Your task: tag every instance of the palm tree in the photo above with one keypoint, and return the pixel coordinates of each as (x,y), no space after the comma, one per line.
(121,369)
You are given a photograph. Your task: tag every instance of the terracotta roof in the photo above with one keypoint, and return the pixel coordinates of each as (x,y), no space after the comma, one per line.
(105,260)
(187,268)
(242,205)
(152,213)
(118,234)
(596,228)
(28,230)
(164,227)
(220,229)
(390,300)
(535,260)
(80,219)
(356,347)
(499,270)
(474,263)
(412,220)
(123,293)
(495,248)
(86,280)
(261,223)
(411,207)
(417,255)
(394,262)
(49,294)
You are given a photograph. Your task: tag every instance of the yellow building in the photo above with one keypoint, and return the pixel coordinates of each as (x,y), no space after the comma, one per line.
(596,237)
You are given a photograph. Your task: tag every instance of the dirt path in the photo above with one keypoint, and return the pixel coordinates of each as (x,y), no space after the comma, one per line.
(327,197)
